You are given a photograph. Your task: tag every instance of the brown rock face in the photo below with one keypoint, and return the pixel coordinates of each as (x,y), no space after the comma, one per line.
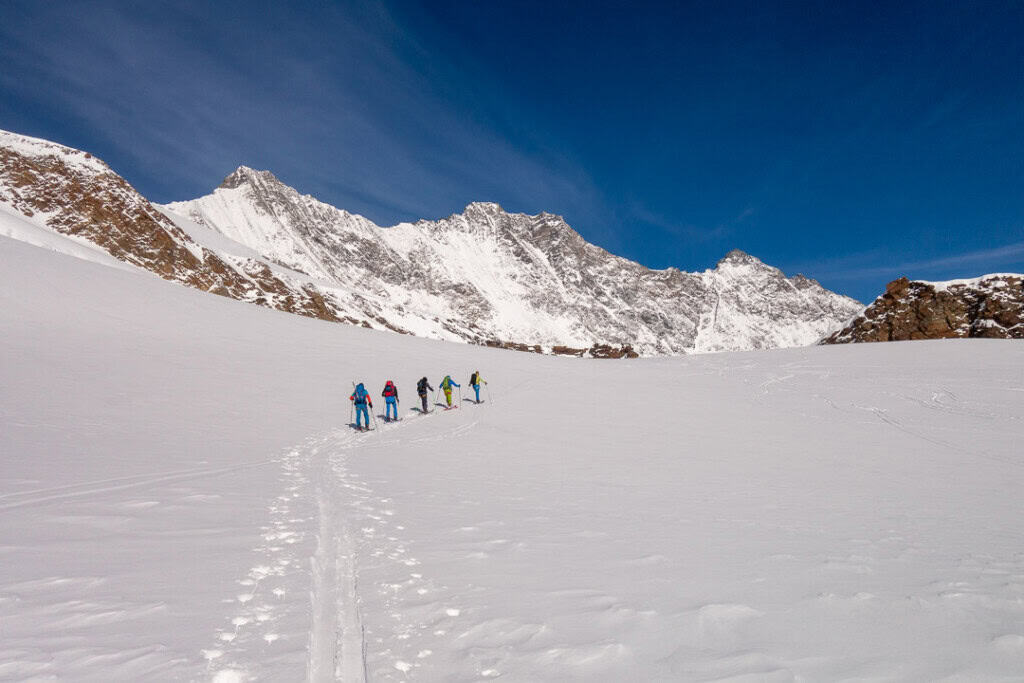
(513,346)
(991,307)
(595,351)
(606,351)
(91,201)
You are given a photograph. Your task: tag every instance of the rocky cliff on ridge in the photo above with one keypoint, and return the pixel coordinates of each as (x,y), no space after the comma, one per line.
(991,306)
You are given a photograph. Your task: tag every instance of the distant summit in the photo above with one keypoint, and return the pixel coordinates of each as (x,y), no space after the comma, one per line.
(243,175)
(739,257)
(522,281)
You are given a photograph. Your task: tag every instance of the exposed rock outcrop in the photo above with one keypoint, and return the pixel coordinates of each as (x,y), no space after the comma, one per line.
(991,306)
(75,194)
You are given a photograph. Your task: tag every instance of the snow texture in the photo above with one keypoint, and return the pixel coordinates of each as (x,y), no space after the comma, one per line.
(182,500)
(990,280)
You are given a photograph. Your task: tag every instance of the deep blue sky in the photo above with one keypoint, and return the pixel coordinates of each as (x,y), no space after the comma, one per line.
(854,142)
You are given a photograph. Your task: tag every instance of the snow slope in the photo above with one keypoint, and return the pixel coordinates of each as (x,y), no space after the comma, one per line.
(182,500)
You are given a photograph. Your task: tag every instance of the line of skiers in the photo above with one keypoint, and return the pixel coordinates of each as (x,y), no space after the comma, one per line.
(361,400)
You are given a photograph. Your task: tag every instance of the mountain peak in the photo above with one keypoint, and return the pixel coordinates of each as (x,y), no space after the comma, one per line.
(244,175)
(739,257)
(483,207)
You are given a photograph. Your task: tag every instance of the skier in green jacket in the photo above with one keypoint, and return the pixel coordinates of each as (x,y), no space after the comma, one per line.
(446,386)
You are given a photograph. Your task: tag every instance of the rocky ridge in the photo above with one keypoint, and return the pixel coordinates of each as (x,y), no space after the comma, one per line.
(519,281)
(484,276)
(73,193)
(991,306)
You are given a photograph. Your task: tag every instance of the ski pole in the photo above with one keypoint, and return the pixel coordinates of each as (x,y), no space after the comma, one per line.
(488,388)
(352,406)
(460,394)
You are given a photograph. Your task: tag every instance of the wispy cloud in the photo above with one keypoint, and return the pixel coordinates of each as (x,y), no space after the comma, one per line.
(686,230)
(866,265)
(341,102)
(1008,253)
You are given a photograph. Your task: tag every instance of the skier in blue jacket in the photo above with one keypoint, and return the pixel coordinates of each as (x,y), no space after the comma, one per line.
(361,398)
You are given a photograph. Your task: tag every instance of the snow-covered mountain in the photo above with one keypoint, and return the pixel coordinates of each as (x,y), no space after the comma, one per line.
(486,275)
(989,306)
(46,187)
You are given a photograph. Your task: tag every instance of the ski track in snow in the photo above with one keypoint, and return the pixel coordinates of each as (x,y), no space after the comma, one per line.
(323,499)
(262,597)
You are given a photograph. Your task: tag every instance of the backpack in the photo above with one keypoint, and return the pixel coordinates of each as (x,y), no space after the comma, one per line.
(421,386)
(360,394)
(472,380)
(389,390)
(446,383)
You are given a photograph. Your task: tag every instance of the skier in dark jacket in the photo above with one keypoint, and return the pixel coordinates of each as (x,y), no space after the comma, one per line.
(361,398)
(421,388)
(390,395)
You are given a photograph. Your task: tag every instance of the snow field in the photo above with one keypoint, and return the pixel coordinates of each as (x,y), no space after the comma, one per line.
(183,500)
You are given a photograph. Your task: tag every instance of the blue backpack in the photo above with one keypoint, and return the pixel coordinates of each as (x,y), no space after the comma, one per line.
(360,395)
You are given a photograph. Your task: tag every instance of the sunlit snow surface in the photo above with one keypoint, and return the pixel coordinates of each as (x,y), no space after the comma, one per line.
(181,500)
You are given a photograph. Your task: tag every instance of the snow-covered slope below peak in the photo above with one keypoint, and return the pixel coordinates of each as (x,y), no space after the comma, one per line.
(487,275)
(82,202)
(254,208)
(755,306)
(17,226)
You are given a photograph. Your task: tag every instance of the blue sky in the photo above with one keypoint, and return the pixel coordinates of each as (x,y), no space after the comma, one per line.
(854,142)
